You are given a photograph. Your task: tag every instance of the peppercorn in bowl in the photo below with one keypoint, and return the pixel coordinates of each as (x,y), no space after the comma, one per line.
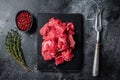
(24,20)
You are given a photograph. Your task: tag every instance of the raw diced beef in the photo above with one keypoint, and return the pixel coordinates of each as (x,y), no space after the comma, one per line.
(58,41)
(49,49)
(59,60)
(67,55)
(44,30)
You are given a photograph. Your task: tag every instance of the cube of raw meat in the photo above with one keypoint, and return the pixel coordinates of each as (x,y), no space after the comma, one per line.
(67,55)
(71,41)
(59,60)
(49,47)
(44,30)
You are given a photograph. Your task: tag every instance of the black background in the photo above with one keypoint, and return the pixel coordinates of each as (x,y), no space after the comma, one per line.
(110,47)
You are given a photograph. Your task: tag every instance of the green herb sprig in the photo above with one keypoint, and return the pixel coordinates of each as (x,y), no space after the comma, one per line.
(13,46)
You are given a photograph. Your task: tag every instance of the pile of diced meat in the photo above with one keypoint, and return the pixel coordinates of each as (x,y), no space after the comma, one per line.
(58,41)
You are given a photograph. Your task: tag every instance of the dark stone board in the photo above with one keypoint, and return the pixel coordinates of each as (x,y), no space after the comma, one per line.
(75,64)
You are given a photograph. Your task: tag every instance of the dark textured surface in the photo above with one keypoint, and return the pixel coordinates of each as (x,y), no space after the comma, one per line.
(110,56)
(75,64)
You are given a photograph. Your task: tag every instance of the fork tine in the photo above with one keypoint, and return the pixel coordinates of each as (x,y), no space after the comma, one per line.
(100,20)
(96,21)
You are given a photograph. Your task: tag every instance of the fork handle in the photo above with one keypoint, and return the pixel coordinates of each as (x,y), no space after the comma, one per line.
(95,71)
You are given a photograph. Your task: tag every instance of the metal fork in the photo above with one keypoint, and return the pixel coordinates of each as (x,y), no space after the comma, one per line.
(98,29)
